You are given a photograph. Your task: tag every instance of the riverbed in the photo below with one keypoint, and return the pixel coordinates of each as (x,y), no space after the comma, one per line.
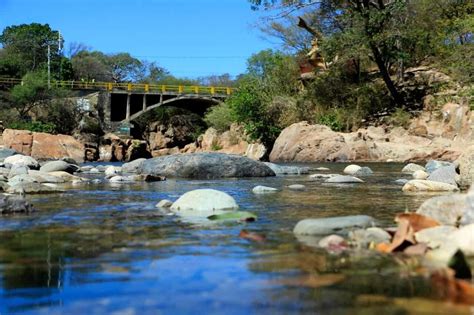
(105,248)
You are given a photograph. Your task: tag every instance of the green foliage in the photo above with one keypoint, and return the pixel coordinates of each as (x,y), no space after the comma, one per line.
(215,146)
(400,118)
(332,119)
(219,117)
(26,48)
(35,126)
(32,93)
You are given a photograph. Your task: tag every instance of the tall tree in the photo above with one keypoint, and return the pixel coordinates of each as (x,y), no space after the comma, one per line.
(26,46)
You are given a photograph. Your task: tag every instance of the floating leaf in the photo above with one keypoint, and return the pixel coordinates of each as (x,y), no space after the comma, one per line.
(242,216)
(252,236)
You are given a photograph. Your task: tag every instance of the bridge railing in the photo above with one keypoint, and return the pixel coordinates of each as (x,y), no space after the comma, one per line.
(133,87)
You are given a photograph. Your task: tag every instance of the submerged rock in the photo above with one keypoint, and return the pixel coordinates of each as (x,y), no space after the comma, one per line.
(263,190)
(343,179)
(297,187)
(322,176)
(32,188)
(428,186)
(401,182)
(363,237)
(205,166)
(14,204)
(165,203)
(204,203)
(333,225)
(133,166)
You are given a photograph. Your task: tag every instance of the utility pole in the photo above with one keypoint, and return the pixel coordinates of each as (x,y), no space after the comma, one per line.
(49,66)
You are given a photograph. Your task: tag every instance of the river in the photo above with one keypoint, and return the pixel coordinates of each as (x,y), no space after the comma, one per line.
(105,248)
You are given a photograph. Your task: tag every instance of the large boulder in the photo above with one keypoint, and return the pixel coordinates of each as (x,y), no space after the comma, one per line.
(433,165)
(43,145)
(22,160)
(444,174)
(14,204)
(303,142)
(466,167)
(205,165)
(326,226)
(204,203)
(455,209)
(133,166)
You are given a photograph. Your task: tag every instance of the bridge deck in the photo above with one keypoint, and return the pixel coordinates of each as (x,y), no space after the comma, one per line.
(134,87)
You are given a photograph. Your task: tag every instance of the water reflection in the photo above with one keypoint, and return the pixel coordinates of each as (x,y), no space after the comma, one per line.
(101,248)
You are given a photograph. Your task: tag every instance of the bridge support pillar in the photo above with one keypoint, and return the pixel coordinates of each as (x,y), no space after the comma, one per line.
(127,115)
(161,99)
(144,101)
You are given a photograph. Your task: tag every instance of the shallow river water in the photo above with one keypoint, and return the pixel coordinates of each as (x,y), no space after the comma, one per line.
(105,248)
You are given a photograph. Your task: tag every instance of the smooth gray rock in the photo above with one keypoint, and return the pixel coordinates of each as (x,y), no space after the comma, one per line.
(464,239)
(14,204)
(22,160)
(22,178)
(433,165)
(4,153)
(412,168)
(333,225)
(42,177)
(287,170)
(364,171)
(343,179)
(205,166)
(18,170)
(416,185)
(204,203)
(263,190)
(58,166)
(449,210)
(435,236)
(32,188)
(133,166)
(444,174)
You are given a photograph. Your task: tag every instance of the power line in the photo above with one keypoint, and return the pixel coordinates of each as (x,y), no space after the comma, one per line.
(193,57)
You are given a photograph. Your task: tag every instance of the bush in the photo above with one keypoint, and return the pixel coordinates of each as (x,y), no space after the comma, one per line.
(35,126)
(332,119)
(400,118)
(219,117)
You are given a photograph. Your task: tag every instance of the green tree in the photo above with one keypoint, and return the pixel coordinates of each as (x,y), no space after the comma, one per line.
(26,48)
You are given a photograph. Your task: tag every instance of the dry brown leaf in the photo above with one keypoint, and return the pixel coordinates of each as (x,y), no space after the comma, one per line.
(403,236)
(314,281)
(416,250)
(252,236)
(383,247)
(417,221)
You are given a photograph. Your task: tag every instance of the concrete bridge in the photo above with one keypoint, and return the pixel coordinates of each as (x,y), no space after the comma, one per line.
(126,102)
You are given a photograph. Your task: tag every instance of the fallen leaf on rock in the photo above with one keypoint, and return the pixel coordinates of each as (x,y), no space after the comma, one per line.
(314,281)
(252,236)
(417,221)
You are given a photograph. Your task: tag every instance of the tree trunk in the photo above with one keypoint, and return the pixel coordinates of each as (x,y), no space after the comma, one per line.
(386,75)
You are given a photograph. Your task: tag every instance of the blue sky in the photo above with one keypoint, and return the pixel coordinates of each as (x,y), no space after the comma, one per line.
(190,38)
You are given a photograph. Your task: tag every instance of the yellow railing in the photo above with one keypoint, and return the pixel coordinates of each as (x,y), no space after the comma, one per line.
(133,87)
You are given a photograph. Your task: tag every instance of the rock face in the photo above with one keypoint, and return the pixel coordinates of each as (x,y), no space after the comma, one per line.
(42,145)
(205,166)
(326,226)
(14,204)
(302,142)
(203,203)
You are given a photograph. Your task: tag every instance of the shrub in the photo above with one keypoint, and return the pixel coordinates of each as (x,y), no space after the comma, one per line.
(400,118)
(35,126)
(219,117)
